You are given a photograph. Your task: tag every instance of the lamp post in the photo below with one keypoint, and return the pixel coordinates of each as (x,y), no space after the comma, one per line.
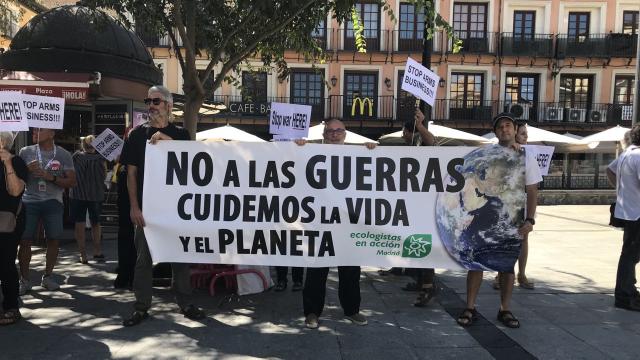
(427,46)
(636,102)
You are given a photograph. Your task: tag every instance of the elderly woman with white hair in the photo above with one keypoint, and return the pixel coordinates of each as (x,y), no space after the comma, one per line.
(88,196)
(13,176)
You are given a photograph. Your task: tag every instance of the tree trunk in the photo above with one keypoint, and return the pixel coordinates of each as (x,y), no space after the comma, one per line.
(191,107)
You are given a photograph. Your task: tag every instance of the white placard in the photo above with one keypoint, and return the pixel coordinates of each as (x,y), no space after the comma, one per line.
(420,81)
(12,116)
(277,137)
(331,205)
(543,155)
(43,111)
(290,120)
(108,144)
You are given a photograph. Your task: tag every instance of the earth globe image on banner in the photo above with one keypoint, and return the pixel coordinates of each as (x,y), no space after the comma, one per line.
(479,225)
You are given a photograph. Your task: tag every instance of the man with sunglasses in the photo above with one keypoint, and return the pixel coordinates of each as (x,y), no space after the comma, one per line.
(315,285)
(158,127)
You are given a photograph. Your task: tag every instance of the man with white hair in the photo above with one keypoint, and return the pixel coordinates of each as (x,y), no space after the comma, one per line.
(160,103)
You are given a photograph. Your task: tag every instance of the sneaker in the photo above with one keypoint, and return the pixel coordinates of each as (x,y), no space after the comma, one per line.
(311,321)
(357,319)
(49,284)
(633,304)
(25,287)
(297,286)
(192,312)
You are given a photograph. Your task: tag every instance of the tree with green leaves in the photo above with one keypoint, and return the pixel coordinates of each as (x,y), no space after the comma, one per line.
(232,32)
(10,13)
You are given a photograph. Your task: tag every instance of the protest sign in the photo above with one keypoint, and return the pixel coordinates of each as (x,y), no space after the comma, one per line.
(139,117)
(543,155)
(420,81)
(12,116)
(333,205)
(43,111)
(108,144)
(289,120)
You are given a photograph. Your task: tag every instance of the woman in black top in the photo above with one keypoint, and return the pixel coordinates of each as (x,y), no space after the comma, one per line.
(13,176)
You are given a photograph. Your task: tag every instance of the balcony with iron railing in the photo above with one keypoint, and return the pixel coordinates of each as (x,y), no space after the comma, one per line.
(476,42)
(596,45)
(411,41)
(547,113)
(237,105)
(538,45)
(388,108)
(153,40)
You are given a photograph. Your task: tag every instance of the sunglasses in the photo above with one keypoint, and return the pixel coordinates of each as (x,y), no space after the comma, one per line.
(155,101)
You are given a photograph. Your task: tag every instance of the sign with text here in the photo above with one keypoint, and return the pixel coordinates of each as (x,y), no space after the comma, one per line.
(543,155)
(290,120)
(12,117)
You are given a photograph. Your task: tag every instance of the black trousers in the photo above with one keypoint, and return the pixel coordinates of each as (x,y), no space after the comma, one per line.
(8,271)
(315,288)
(296,274)
(425,276)
(629,257)
(126,246)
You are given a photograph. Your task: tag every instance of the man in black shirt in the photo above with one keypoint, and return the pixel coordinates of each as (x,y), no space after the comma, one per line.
(425,277)
(160,103)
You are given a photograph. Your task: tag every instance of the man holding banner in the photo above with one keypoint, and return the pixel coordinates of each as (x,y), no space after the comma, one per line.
(51,171)
(425,277)
(160,103)
(505,128)
(315,285)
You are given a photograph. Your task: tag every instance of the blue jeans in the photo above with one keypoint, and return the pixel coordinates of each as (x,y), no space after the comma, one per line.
(51,212)
(629,257)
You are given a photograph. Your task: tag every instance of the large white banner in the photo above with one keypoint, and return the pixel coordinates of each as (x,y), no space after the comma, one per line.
(327,205)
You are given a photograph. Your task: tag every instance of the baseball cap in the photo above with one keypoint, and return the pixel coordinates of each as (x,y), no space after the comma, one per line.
(503,116)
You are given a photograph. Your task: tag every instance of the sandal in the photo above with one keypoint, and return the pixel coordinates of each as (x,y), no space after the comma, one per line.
(136,318)
(524,283)
(507,318)
(467,317)
(281,286)
(191,312)
(10,317)
(425,297)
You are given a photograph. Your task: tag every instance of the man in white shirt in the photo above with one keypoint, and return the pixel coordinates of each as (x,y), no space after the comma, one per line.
(625,173)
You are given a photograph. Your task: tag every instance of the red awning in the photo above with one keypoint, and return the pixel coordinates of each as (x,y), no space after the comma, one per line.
(73,87)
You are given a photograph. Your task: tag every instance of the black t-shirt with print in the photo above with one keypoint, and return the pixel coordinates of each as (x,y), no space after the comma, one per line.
(134,149)
(7,202)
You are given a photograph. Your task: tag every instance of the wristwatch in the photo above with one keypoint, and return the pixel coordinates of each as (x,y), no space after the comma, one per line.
(532,221)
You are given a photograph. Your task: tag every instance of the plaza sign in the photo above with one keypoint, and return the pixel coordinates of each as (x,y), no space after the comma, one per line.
(75,92)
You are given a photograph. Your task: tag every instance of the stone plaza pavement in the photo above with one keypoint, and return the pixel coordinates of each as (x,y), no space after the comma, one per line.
(570,314)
